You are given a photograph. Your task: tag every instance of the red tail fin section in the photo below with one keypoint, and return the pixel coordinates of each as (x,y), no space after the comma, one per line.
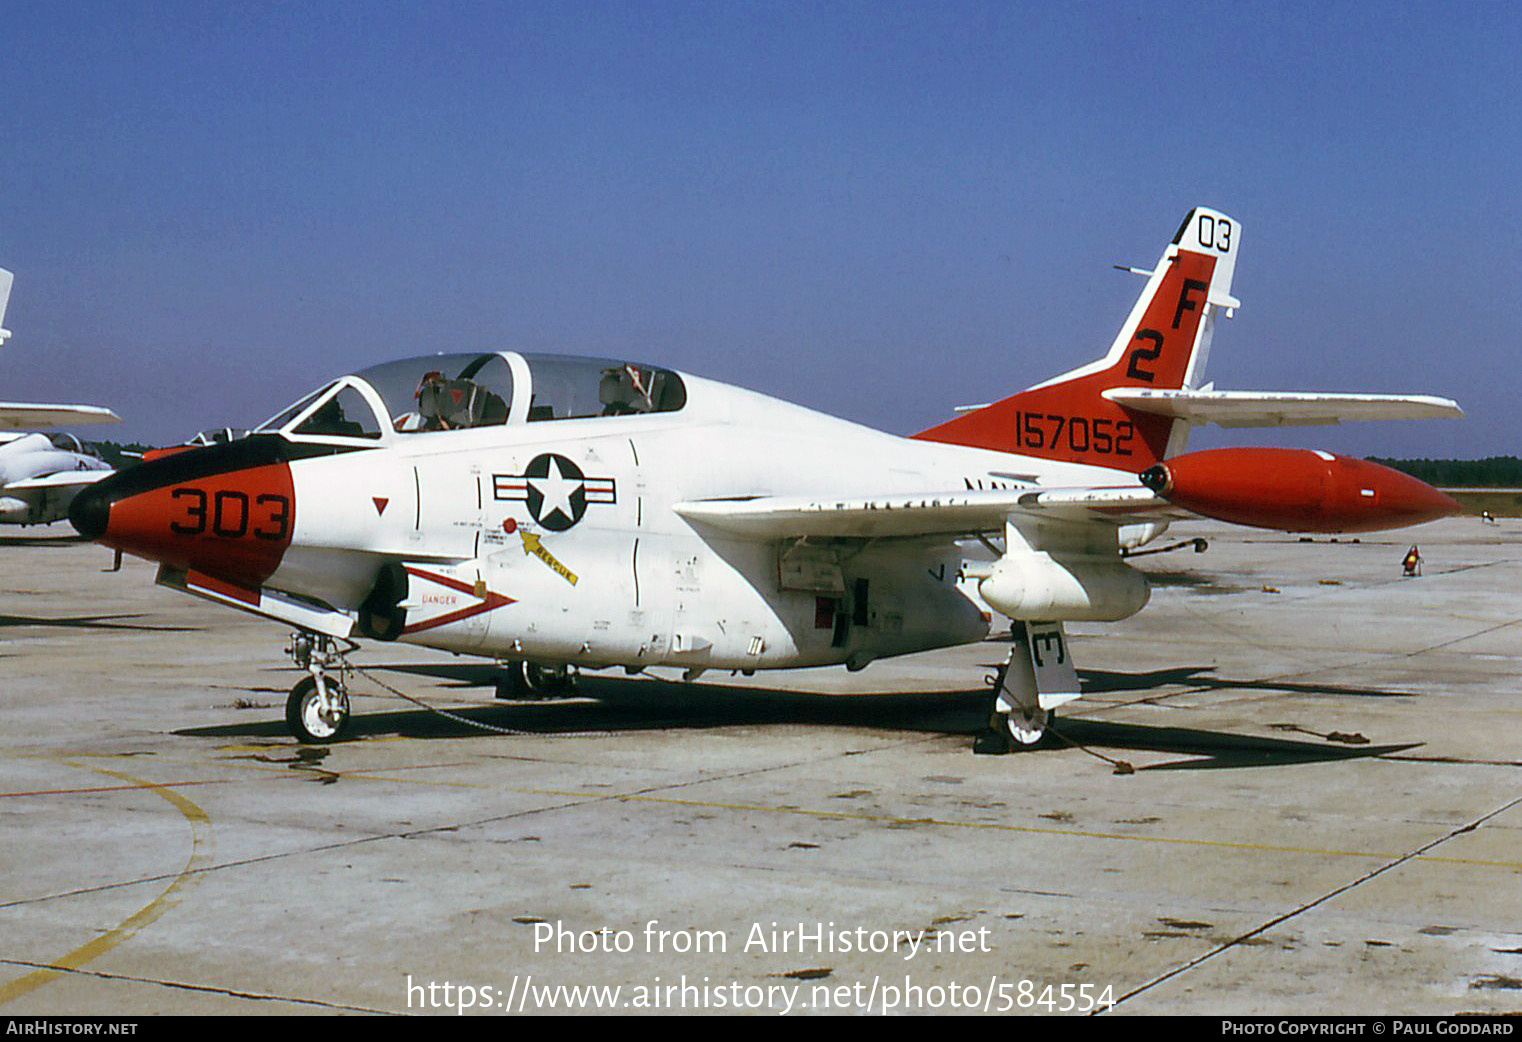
(1163,345)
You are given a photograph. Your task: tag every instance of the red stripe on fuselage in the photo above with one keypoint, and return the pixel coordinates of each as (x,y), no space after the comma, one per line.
(211,584)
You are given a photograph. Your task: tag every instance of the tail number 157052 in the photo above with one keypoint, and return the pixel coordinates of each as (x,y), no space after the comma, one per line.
(1036,430)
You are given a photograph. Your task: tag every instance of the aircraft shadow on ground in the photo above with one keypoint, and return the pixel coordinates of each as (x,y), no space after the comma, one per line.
(620,704)
(1097,682)
(1211,749)
(90,622)
(43,540)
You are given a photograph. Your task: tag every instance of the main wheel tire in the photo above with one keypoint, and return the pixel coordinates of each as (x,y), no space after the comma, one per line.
(548,681)
(306,719)
(1027,730)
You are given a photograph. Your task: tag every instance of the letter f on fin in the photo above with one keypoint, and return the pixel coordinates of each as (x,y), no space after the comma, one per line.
(1163,344)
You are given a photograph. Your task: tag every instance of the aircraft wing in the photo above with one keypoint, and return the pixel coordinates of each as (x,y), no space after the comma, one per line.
(25,416)
(62,479)
(932,514)
(1281,408)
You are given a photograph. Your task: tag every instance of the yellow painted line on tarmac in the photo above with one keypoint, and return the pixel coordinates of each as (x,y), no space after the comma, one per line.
(200,826)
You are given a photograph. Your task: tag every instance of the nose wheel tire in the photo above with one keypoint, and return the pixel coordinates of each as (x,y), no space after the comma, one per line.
(313,718)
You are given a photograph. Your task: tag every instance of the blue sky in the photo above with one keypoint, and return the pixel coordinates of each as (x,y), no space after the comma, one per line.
(879,210)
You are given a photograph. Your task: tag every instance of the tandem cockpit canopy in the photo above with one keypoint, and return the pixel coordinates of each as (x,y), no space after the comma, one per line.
(453,392)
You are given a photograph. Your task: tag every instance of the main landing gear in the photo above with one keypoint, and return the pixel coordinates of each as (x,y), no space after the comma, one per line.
(530,681)
(1037,677)
(318,707)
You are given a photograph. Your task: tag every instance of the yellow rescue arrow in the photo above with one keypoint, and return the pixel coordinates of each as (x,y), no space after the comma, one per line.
(532,545)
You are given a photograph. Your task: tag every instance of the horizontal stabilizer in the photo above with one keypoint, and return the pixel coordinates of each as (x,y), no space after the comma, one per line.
(1281,408)
(25,416)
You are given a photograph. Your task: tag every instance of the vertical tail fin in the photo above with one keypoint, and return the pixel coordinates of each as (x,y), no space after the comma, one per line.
(5,298)
(1163,344)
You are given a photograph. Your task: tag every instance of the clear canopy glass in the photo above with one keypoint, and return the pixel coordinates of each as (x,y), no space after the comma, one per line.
(446,392)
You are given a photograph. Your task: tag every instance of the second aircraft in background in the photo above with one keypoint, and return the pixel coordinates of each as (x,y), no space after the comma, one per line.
(39,475)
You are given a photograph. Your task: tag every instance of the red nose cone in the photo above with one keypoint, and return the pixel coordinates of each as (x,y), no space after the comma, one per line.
(196,511)
(1297,490)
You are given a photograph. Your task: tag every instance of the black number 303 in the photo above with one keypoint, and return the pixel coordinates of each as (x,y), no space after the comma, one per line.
(229,514)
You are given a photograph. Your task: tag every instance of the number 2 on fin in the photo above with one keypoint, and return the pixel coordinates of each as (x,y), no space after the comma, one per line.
(1146,354)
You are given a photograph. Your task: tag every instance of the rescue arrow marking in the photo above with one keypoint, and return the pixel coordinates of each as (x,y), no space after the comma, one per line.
(533,545)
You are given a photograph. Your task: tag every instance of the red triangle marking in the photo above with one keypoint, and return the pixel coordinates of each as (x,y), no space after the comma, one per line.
(380,504)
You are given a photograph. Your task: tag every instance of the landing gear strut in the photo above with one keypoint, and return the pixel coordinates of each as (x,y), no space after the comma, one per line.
(318,707)
(1037,677)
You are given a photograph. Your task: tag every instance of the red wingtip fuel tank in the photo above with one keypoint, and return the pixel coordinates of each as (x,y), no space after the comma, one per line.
(1296,490)
(227,510)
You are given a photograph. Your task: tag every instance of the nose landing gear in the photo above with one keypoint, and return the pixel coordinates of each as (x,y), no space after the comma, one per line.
(317,710)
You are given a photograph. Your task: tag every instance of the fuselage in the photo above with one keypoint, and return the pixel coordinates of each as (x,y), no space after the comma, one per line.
(541,528)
